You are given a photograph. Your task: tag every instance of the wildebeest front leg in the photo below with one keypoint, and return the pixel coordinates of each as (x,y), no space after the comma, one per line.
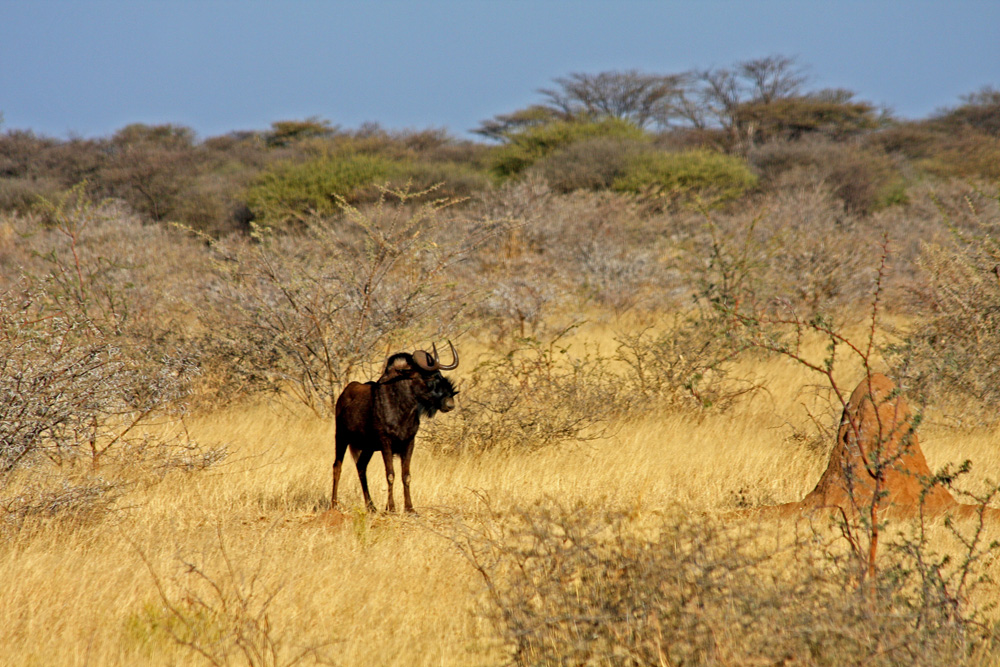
(338,462)
(390,475)
(407,502)
(361,461)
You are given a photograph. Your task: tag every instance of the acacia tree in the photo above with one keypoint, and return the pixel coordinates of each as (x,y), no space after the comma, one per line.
(714,97)
(699,99)
(642,99)
(502,126)
(631,95)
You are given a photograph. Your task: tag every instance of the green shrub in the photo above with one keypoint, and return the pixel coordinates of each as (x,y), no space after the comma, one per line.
(291,192)
(528,146)
(455,179)
(713,177)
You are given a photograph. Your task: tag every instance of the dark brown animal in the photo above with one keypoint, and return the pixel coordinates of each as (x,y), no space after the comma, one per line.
(384,416)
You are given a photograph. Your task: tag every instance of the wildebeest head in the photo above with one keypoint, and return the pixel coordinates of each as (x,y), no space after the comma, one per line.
(422,369)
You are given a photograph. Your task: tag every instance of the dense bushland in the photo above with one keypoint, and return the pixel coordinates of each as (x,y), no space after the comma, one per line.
(717,134)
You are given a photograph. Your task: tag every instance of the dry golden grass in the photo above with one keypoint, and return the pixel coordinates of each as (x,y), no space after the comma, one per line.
(381,590)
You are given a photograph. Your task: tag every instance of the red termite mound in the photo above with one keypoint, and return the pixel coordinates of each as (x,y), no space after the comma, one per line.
(876,437)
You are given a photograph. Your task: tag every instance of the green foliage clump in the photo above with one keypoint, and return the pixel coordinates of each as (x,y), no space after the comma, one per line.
(292,192)
(448,179)
(714,177)
(530,145)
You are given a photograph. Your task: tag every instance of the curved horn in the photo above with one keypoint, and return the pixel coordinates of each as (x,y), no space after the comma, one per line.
(424,359)
(454,358)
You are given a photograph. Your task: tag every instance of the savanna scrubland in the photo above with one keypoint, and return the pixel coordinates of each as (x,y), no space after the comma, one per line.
(662,287)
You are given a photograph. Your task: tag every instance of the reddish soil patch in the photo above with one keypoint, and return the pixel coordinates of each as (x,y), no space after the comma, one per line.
(331,519)
(876,432)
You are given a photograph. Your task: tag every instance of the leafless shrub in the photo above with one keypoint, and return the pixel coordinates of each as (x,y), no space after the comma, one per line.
(680,367)
(84,362)
(952,353)
(575,585)
(615,274)
(520,201)
(535,394)
(41,492)
(186,456)
(131,285)
(516,304)
(587,246)
(59,392)
(65,499)
(301,312)
(794,247)
(221,613)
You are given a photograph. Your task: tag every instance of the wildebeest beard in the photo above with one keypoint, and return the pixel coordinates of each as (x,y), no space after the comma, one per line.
(440,388)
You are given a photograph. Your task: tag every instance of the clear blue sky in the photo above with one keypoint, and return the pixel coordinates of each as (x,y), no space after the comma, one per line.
(89,67)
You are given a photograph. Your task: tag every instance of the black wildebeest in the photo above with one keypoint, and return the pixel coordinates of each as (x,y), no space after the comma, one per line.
(384,416)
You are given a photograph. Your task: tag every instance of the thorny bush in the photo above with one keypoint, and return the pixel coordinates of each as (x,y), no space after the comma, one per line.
(302,312)
(221,611)
(577,585)
(680,367)
(951,353)
(87,358)
(537,393)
